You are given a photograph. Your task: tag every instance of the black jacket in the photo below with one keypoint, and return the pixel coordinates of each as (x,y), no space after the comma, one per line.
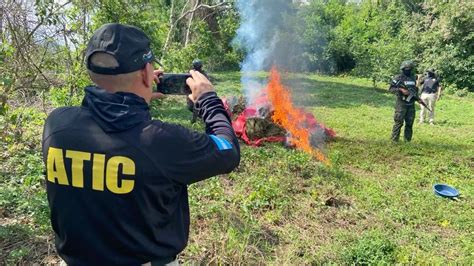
(430,85)
(117,180)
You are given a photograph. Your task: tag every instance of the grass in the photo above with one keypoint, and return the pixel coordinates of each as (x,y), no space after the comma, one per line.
(373,205)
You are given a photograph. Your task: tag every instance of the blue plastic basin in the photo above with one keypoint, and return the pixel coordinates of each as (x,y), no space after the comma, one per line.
(445,190)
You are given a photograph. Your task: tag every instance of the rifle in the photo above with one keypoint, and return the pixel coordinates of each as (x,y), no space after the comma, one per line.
(413,94)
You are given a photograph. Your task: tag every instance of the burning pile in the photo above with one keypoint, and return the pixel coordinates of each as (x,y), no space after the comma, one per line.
(271,117)
(269,114)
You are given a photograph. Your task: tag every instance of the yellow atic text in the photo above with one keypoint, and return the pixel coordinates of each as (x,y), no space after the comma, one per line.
(103,172)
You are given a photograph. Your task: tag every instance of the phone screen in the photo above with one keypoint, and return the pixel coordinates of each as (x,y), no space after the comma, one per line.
(174,84)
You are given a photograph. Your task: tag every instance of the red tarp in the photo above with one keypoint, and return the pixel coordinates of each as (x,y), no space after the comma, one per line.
(239,125)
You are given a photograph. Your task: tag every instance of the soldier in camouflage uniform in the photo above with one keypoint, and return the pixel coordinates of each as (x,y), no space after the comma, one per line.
(404,87)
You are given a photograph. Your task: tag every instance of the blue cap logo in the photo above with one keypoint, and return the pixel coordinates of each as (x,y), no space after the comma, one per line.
(148,56)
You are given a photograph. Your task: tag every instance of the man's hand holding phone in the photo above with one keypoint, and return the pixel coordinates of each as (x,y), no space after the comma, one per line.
(199,85)
(180,83)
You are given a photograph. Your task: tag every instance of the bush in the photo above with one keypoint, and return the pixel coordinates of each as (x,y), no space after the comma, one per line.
(450,89)
(61,96)
(372,248)
(462,93)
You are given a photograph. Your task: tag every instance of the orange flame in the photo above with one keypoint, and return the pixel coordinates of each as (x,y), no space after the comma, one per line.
(289,117)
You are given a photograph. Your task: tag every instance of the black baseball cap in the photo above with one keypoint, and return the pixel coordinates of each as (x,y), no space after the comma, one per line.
(129,45)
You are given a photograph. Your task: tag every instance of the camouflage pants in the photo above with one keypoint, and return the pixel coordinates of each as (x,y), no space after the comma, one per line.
(407,114)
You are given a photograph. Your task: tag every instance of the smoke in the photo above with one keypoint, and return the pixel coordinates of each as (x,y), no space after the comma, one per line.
(262,35)
(270,35)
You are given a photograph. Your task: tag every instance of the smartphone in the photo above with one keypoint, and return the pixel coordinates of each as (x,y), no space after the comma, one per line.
(173,84)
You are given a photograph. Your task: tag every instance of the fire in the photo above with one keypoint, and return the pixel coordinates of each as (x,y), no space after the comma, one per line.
(290,118)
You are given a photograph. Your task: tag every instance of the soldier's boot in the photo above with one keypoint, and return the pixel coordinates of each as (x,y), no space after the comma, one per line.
(409,120)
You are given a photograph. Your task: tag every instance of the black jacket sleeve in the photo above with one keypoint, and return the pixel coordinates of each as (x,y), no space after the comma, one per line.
(195,156)
(216,118)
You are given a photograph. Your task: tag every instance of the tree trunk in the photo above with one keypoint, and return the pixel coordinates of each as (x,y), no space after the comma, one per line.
(190,22)
(168,36)
(1,21)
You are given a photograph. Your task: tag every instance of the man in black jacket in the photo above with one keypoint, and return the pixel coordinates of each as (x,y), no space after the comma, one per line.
(116,179)
(430,93)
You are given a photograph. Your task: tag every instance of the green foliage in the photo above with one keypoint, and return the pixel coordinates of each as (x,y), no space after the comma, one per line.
(6,50)
(462,93)
(212,48)
(62,96)
(19,126)
(371,38)
(447,42)
(17,255)
(150,16)
(225,56)
(45,11)
(180,58)
(21,174)
(21,177)
(372,247)
(316,28)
